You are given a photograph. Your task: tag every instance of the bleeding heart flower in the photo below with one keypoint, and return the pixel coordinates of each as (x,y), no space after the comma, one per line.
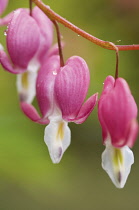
(60,94)
(28,41)
(117,112)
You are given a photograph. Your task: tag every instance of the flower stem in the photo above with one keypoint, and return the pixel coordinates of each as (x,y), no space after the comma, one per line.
(117,60)
(104,44)
(30,7)
(59,43)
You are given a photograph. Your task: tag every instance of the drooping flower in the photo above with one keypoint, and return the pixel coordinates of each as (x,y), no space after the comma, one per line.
(117,112)
(3,5)
(28,41)
(60,93)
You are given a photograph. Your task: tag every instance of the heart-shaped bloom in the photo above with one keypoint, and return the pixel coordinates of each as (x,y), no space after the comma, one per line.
(3,5)
(60,93)
(117,113)
(28,40)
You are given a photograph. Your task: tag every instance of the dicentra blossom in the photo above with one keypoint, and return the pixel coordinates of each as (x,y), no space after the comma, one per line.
(117,113)
(28,40)
(60,93)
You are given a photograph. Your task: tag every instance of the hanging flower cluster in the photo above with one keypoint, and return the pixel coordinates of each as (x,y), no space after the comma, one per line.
(60,90)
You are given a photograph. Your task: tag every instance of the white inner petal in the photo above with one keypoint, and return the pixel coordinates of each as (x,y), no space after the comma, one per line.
(57,137)
(33,65)
(26,82)
(117,163)
(1,47)
(26,86)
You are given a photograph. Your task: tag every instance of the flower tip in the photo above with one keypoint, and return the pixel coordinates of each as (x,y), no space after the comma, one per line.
(119,180)
(119,177)
(56,154)
(22,97)
(117,163)
(57,138)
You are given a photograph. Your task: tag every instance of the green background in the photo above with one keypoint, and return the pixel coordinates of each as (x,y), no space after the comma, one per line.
(28,179)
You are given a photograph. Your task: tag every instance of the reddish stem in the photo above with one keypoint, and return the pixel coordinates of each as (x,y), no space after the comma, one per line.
(30,7)
(59,43)
(117,61)
(105,44)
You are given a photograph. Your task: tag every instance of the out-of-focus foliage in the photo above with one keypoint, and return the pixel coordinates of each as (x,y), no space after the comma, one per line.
(28,179)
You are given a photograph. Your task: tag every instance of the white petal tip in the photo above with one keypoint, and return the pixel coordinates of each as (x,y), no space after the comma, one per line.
(117,163)
(56,155)
(118,180)
(57,138)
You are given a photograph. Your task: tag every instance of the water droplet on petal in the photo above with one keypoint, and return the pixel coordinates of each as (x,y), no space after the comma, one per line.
(5,33)
(54,73)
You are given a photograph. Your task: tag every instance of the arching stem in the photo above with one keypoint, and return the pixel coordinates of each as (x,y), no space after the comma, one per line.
(105,44)
(117,64)
(117,60)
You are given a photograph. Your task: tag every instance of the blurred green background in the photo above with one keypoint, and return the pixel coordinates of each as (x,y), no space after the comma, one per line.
(28,179)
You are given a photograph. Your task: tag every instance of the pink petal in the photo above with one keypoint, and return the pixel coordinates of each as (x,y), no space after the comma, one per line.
(105,133)
(132,132)
(5,20)
(46,31)
(23,38)
(6,63)
(3,5)
(71,86)
(108,84)
(45,85)
(86,109)
(32,113)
